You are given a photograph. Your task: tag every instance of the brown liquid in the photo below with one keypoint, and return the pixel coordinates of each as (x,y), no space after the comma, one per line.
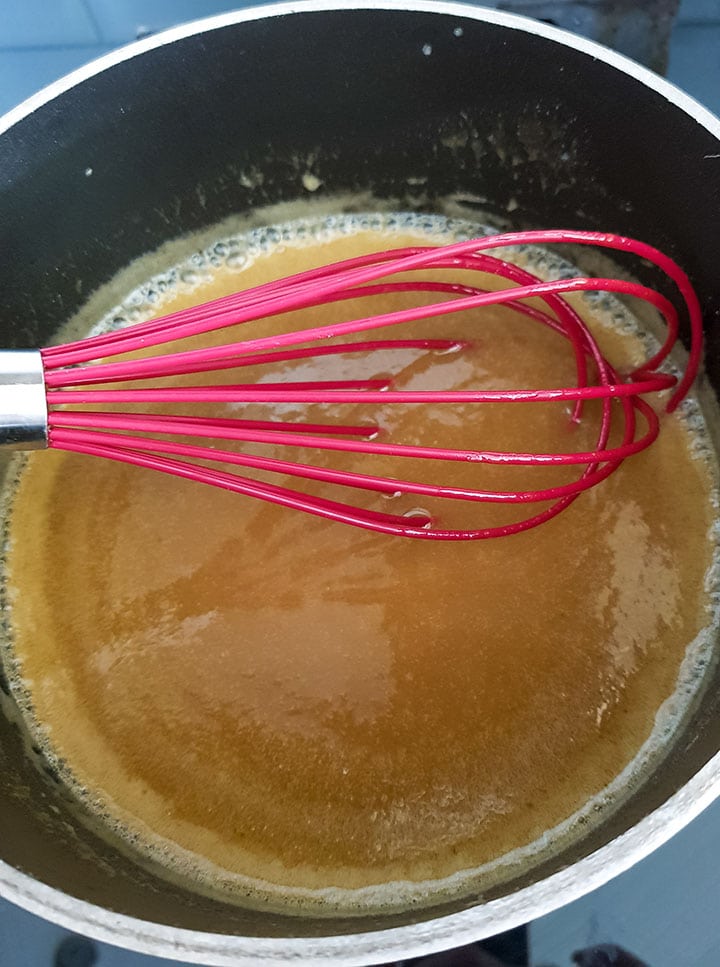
(313,706)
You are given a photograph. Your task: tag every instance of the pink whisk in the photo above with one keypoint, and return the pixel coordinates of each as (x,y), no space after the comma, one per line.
(41,387)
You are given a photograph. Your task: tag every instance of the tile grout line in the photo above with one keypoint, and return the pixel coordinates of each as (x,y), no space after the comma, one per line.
(93,20)
(48,48)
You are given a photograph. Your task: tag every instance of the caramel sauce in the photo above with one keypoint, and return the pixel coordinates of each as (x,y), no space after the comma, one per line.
(266,696)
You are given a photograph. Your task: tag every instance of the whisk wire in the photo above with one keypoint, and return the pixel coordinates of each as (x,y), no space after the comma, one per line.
(115,435)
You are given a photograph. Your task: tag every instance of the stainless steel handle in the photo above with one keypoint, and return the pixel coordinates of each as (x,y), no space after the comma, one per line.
(23,407)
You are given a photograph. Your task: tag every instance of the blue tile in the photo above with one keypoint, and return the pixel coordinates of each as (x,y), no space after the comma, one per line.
(29,941)
(23,72)
(699,11)
(36,22)
(695,63)
(119,22)
(664,910)
(25,940)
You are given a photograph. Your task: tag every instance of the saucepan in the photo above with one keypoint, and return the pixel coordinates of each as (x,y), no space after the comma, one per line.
(403,100)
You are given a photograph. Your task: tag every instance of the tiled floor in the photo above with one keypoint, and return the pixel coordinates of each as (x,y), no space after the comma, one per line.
(40,40)
(665,909)
(695,62)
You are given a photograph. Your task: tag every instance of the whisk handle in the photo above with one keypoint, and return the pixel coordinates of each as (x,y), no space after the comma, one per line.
(23,407)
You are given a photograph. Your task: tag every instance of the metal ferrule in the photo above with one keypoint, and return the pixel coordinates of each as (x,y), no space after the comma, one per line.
(23,407)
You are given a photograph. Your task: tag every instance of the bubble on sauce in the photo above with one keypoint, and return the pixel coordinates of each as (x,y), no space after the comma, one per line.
(421,514)
(176,862)
(310,182)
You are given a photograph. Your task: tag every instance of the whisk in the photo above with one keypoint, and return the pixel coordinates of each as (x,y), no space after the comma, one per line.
(42,387)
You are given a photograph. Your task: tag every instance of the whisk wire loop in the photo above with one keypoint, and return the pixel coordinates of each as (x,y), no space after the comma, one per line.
(142,439)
